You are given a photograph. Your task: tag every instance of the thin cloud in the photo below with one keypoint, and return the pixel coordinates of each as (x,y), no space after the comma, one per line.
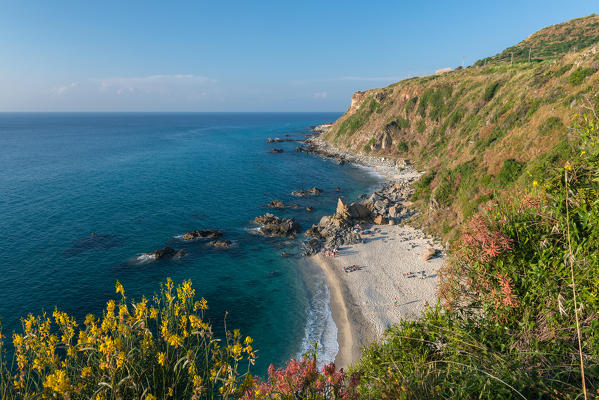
(154,84)
(320,95)
(62,90)
(370,78)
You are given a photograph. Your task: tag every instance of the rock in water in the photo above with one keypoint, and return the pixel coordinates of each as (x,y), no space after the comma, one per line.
(305,193)
(275,226)
(276,151)
(202,234)
(276,204)
(167,252)
(220,244)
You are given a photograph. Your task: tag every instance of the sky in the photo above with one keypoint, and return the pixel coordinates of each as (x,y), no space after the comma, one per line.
(244,55)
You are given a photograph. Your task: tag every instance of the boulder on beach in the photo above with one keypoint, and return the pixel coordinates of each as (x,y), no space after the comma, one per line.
(309,192)
(429,254)
(271,225)
(380,220)
(202,234)
(220,244)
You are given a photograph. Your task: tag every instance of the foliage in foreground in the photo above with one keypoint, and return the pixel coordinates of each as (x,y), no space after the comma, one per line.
(156,349)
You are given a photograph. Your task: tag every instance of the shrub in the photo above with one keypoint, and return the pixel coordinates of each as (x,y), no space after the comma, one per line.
(403,146)
(490,91)
(578,76)
(410,104)
(421,126)
(550,124)
(146,350)
(509,172)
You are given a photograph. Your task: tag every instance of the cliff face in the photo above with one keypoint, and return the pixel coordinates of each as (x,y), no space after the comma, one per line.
(479,130)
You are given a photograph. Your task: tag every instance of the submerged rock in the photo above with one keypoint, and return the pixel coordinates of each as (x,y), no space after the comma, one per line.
(202,234)
(275,151)
(165,253)
(276,204)
(309,192)
(220,244)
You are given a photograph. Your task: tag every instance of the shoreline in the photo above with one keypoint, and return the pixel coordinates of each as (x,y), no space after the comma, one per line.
(364,303)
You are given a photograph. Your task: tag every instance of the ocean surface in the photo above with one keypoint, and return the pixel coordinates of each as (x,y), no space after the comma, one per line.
(138,181)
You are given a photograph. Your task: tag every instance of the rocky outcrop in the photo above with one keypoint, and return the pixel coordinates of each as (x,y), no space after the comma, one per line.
(220,244)
(275,151)
(309,192)
(382,207)
(165,253)
(271,225)
(202,234)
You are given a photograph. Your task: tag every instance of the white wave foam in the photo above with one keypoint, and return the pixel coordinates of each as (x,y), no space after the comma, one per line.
(320,326)
(145,258)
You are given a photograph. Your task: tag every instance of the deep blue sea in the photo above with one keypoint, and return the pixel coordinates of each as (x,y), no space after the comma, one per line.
(138,180)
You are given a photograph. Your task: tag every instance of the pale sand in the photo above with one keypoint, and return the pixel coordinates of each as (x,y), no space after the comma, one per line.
(366,302)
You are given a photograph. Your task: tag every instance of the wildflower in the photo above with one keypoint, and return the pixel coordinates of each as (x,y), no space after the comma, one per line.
(197,381)
(568,166)
(86,371)
(161,358)
(120,289)
(150,397)
(153,313)
(535,183)
(57,381)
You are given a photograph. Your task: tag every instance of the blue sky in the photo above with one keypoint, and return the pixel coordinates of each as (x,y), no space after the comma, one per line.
(244,55)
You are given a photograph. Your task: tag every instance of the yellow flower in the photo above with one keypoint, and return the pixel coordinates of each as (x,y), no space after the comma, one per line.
(535,183)
(150,397)
(153,313)
(161,358)
(86,371)
(120,289)
(197,381)
(57,381)
(17,340)
(170,392)
(568,166)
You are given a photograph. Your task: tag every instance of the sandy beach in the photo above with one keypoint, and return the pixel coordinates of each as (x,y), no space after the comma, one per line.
(366,302)
(395,279)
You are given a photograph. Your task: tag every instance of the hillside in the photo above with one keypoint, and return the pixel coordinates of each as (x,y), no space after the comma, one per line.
(480,130)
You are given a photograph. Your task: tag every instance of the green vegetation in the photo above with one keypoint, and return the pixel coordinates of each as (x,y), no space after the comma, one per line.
(403,147)
(551,42)
(510,171)
(421,126)
(368,145)
(490,91)
(355,121)
(578,76)
(551,124)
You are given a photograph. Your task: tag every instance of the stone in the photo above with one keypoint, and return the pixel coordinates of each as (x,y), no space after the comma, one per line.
(391,222)
(220,244)
(380,220)
(309,192)
(167,252)
(202,234)
(357,210)
(429,254)
(271,225)
(276,151)
(276,204)
(309,209)
(342,210)
(394,211)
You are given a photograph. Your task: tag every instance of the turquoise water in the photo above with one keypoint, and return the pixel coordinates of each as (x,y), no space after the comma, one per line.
(138,181)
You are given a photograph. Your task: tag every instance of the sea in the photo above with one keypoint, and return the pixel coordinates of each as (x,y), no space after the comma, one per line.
(83,195)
